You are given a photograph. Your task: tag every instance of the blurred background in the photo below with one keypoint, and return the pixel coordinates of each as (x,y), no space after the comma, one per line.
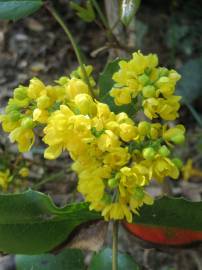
(37,47)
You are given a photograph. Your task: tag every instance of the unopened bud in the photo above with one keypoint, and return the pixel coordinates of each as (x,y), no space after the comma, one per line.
(85,104)
(178,139)
(149,153)
(20,93)
(148,91)
(112,183)
(163,72)
(43,102)
(143,79)
(178,163)
(27,122)
(143,128)
(164,151)
(15,115)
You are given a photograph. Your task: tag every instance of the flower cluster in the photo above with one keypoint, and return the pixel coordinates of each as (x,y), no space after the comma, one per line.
(152,86)
(115,157)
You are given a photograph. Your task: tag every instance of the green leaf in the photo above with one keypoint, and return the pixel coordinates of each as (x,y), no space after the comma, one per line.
(30,223)
(16,9)
(86,14)
(105,84)
(128,10)
(170,221)
(68,259)
(190,85)
(172,212)
(103,260)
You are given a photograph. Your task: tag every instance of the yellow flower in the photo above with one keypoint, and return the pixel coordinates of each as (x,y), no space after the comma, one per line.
(24,137)
(43,102)
(188,171)
(175,134)
(151,106)
(24,172)
(40,115)
(85,104)
(121,96)
(117,211)
(117,157)
(128,132)
(36,88)
(162,167)
(107,141)
(168,108)
(57,132)
(8,124)
(74,87)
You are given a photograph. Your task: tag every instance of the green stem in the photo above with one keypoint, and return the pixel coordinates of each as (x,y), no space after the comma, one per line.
(51,178)
(101,15)
(58,18)
(115,245)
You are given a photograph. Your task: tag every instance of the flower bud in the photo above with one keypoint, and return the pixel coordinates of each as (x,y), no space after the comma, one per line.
(85,104)
(143,79)
(143,128)
(63,80)
(43,102)
(112,183)
(27,122)
(162,80)
(148,91)
(178,162)
(15,115)
(174,76)
(20,93)
(24,172)
(163,72)
(164,151)
(149,153)
(178,139)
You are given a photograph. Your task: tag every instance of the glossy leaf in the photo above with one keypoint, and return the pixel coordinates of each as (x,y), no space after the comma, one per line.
(105,84)
(16,9)
(68,259)
(103,260)
(128,10)
(30,223)
(169,221)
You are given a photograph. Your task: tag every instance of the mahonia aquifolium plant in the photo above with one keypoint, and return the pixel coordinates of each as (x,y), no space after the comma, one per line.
(115,158)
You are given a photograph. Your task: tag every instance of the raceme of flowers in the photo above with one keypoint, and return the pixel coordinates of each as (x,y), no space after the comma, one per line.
(114,156)
(153,86)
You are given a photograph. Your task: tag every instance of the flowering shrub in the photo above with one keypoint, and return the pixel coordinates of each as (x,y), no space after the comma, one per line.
(114,155)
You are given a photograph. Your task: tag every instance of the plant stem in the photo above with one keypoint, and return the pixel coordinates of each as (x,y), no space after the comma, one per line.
(115,245)
(58,18)
(101,15)
(51,178)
